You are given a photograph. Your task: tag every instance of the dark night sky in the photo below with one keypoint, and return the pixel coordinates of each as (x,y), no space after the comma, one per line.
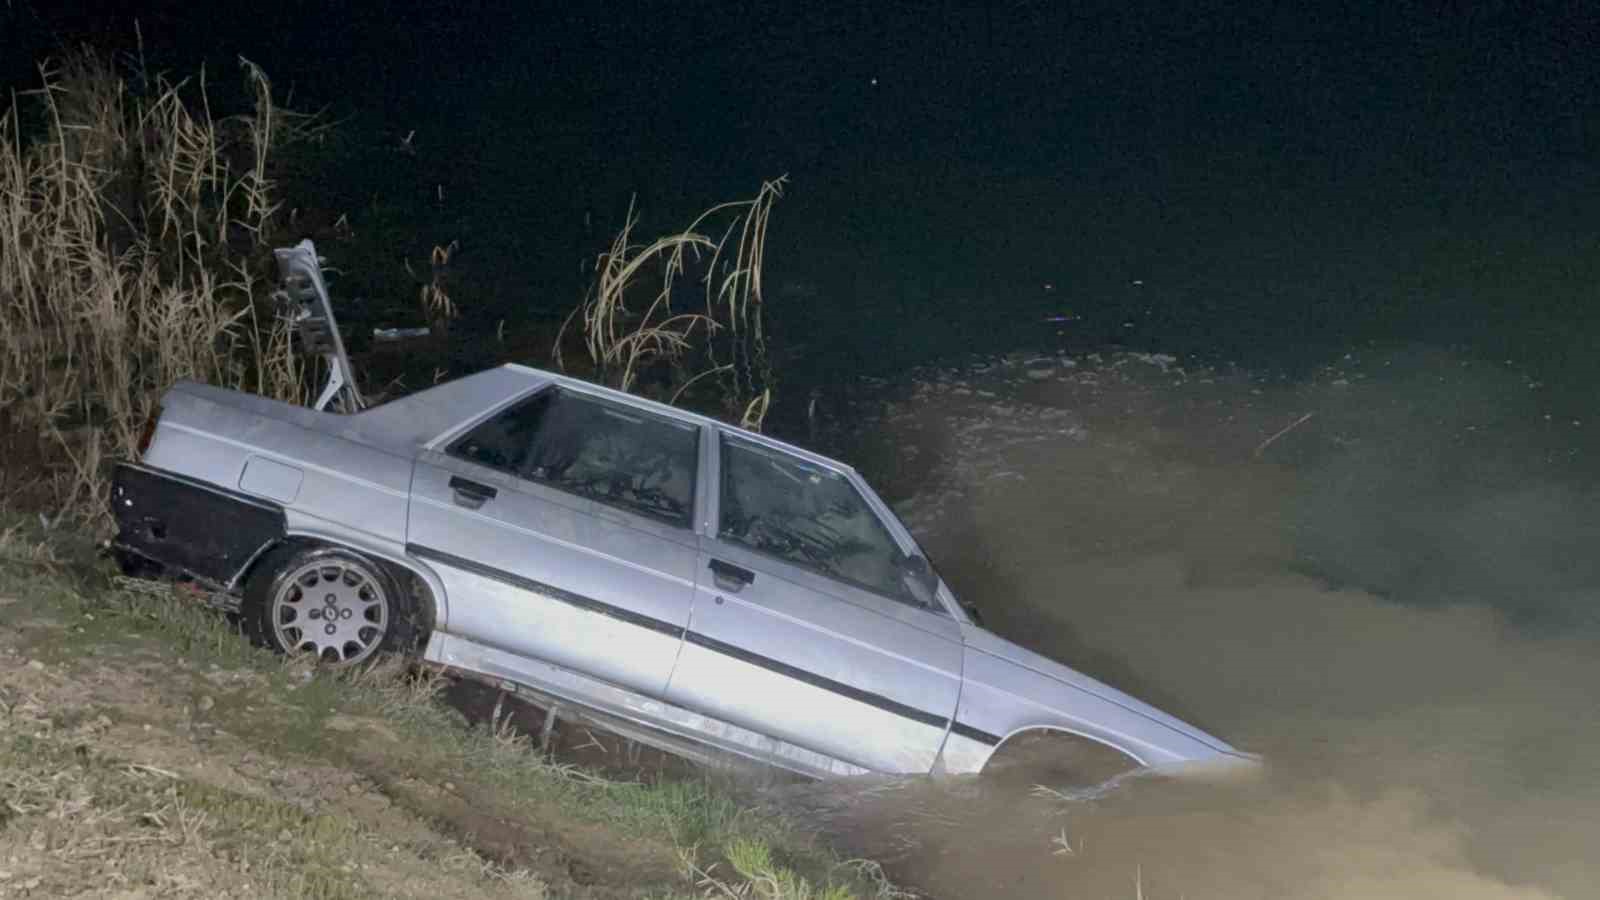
(1323,159)
(1014,86)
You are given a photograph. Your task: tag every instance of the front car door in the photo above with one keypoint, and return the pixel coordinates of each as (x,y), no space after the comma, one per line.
(805,624)
(562,528)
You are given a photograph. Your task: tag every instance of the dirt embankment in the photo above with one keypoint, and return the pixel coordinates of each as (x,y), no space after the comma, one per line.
(147,750)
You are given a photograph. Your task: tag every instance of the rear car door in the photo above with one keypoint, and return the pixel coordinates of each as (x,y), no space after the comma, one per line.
(562,530)
(804,626)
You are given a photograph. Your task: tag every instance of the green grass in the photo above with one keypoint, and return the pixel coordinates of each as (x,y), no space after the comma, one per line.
(98,816)
(182,674)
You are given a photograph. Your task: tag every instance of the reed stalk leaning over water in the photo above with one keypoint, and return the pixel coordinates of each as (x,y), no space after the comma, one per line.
(723,340)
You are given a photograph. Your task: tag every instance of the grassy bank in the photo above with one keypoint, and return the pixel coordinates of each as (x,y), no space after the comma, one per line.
(146,748)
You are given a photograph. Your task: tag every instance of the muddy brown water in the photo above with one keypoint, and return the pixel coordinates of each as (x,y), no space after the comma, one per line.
(1394,601)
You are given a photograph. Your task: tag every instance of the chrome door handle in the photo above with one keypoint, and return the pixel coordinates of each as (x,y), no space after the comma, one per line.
(730,577)
(470,493)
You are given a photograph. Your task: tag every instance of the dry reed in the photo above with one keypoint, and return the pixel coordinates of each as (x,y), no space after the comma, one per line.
(725,333)
(132,225)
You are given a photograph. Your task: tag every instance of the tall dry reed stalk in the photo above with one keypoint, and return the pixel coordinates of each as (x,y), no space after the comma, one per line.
(722,340)
(132,230)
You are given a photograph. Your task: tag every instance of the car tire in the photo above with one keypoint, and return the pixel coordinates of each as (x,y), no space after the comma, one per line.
(333,602)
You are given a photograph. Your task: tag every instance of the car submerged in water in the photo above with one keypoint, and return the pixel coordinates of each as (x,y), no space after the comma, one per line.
(683,582)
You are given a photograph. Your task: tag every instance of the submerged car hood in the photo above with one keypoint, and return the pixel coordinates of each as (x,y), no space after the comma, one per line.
(983,641)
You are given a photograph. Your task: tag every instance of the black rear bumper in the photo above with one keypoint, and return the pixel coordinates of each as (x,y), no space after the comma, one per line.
(190,527)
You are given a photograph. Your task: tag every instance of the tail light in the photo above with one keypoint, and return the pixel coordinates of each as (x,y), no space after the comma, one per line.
(148,433)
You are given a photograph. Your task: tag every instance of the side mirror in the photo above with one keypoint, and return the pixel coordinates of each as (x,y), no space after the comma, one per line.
(919,579)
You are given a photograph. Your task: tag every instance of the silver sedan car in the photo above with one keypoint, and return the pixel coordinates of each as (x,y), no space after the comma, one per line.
(678,580)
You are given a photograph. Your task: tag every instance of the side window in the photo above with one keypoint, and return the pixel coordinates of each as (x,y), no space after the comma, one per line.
(808,515)
(607,452)
(504,440)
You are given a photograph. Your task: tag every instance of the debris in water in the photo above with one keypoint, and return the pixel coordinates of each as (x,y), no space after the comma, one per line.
(399,334)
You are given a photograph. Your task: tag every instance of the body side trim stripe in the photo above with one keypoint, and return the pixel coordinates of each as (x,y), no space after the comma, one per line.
(878,700)
(974,734)
(538,587)
(815,680)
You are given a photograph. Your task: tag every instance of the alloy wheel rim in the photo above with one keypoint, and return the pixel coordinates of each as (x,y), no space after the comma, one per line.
(332,608)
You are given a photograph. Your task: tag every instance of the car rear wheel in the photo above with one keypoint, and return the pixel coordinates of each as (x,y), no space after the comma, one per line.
(330,602)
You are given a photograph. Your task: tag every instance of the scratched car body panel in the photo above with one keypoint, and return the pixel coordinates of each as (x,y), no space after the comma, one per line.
(683,581)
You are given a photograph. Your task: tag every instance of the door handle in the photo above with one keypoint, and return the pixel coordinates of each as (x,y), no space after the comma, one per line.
(730,577)
(471,493)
